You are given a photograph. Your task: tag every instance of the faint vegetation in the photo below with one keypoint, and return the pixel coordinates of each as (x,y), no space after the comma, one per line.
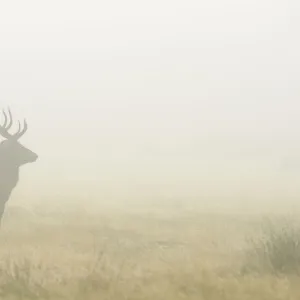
(123,255)
(277,249)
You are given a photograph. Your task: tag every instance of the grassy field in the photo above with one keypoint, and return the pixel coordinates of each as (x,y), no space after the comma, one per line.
(151,254)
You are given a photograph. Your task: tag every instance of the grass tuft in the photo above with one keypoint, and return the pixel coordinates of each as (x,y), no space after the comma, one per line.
(276,250)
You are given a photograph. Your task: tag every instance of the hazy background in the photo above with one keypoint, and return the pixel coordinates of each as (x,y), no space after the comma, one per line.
(142,100)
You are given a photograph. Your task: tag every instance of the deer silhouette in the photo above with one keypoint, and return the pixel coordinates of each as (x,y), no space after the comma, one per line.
(12,156)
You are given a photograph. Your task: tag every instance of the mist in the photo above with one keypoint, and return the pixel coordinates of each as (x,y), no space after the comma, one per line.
(161,100)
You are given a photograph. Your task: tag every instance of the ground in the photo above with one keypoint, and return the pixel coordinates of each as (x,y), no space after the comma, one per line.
(113,254)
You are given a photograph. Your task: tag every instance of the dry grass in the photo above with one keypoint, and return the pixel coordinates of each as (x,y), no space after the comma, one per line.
(125,255)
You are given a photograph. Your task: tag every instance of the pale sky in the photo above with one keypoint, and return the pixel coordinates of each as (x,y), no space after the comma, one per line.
(136,99)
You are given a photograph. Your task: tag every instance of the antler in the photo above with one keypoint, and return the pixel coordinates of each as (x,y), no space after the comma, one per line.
(7,125)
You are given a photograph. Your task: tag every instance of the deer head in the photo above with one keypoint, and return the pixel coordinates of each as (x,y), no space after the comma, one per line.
(11,151)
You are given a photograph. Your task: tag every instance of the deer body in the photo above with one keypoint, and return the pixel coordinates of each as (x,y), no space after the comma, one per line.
(12,156)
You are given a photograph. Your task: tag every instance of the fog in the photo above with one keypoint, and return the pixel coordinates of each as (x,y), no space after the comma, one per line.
(192,100)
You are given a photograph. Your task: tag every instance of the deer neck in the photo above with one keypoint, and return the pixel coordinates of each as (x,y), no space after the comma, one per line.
(9,175)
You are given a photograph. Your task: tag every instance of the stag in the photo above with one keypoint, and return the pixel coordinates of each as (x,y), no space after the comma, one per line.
(13,155)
